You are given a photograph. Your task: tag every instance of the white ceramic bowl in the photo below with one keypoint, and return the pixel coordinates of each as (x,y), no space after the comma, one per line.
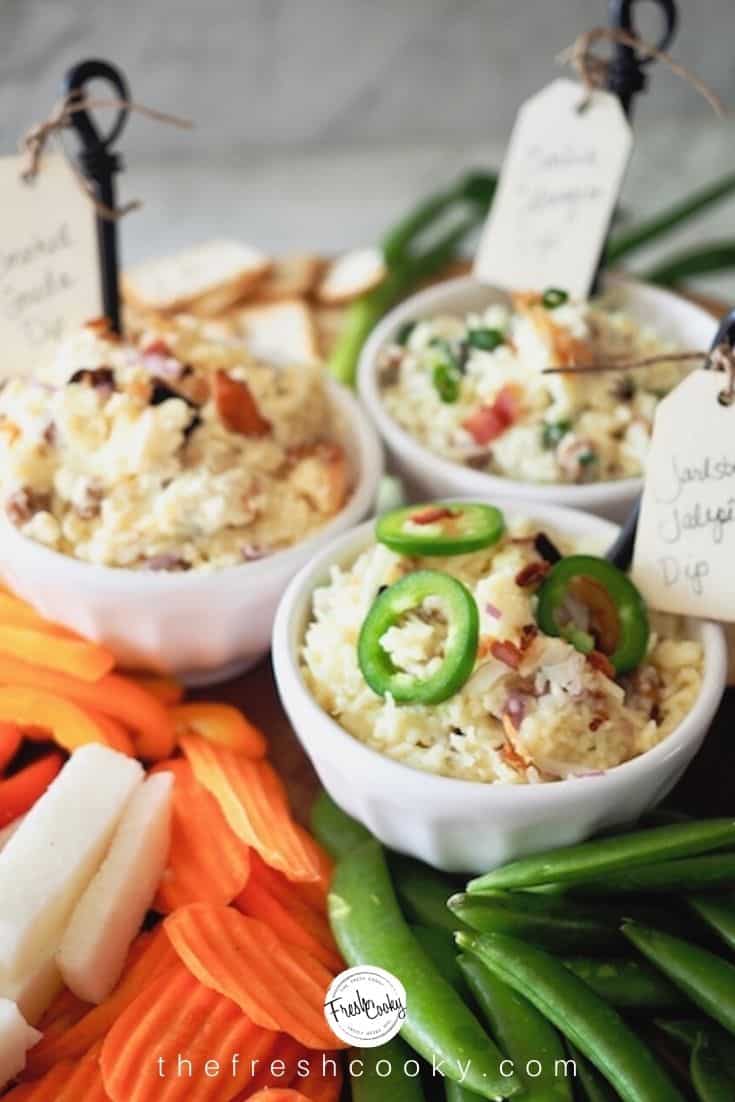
(203,627)
(467,826)
(428,475)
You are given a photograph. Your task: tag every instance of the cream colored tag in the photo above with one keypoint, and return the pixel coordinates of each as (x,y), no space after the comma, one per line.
(685,545)
(558,186)
(49,272)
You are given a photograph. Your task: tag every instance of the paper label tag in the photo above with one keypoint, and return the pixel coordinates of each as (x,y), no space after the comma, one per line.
(685,544)
(558,186)
(49,271)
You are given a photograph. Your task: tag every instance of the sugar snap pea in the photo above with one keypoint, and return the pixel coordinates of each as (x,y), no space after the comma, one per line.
(686,1031)
(707,979)
(593,1087)
(334,828)
(369,1081)
(532,1045)
(578,1012)
(718,913)
(370,929)
(440,948)
(552,923)
(423,892)
(601,856)
(710,871)
(709,1078)
(626,983)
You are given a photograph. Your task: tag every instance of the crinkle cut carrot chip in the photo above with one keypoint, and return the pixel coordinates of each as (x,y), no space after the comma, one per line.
(279,985)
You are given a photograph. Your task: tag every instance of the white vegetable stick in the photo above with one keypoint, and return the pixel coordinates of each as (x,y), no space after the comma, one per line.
(56,851)
(35,990)
(108,916)
(7,832)
(16,1037)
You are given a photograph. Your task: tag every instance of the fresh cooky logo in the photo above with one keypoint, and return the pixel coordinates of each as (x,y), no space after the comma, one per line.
(365,1006)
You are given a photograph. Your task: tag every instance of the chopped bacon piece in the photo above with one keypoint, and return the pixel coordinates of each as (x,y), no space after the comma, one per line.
(528,633)
(506,651)
(532,573)
(431,514)
(489,422)
(237,408)
(598,720)
(157,348)
(602,663)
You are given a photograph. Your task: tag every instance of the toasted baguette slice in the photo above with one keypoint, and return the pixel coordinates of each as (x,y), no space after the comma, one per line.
(351,275)
(279,332)
(292,276)
(207,278)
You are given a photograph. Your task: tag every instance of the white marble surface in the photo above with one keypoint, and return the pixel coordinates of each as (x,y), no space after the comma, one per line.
(320,121)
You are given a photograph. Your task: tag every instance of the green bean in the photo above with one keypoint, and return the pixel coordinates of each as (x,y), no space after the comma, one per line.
(454,1092)
(546,921)
(707,979)
(369,1086)
(522,1032)
(581,1015)
(334,828)
(605,855)
(370,929)
(440,948)
(423,892)
(710,871)
(709,1078)
(718,913)
(626,983)
(596,1089)
(634,238)
(718,256)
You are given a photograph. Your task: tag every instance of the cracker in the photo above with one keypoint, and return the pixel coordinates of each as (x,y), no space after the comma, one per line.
(292,276)
(205,280)
(351,275)
(279,332)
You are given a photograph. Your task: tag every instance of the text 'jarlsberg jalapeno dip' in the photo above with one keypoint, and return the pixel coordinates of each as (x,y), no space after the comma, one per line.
(472,647)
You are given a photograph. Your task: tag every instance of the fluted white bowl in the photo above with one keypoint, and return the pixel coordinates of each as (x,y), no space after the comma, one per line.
(202,627)
(428,475)
(466,826)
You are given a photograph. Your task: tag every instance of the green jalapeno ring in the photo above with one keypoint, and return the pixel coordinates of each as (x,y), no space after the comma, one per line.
(617,599)
(459,653)
(464,527)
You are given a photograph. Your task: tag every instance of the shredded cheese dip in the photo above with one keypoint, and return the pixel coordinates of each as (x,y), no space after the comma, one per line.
(171,453)
(533,710)
(494,410)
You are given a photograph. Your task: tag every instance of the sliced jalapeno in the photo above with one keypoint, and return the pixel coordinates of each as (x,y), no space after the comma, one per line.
(440,529)
(460,647)
(617,618)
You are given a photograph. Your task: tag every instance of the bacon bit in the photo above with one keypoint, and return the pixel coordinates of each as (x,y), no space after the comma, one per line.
(167,561)
(431,514)
(485,646)
(99,378)
(598,720)
(237,408)
(602,663)
(158,348)
(50,434)
(507,652)
(532,573)
(489,422)
(24,504)
(528,633)
(101,326)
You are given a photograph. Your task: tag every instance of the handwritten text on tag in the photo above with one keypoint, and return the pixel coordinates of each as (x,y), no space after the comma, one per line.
(49,272)
(558,187)
(685,546)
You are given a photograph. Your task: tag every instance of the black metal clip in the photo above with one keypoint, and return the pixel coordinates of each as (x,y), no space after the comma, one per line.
(99,164)
(627,72)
